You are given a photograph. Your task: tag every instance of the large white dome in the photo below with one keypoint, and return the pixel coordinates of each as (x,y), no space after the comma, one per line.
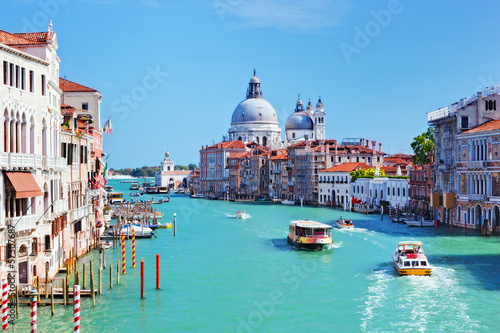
(254,110)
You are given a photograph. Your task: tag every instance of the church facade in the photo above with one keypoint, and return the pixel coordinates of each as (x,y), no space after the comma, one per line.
(254,120)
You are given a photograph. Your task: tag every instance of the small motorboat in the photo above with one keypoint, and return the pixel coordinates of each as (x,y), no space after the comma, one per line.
(164,226)
(421,223)
(135,194)
(344,224)
(409,259)
(288,202)
(241,214)
(105,245)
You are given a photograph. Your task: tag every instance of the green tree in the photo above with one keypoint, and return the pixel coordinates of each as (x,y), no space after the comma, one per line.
(193,166)
(365,173)
(181,167)
(422,146)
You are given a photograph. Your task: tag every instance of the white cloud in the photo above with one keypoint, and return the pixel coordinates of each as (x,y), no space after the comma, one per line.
(290,15)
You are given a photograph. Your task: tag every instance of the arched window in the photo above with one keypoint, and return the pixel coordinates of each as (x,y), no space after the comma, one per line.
(6,128)
(257,140)
(264,141)
(24,136)
(44,138)
(239,138)
(32,136)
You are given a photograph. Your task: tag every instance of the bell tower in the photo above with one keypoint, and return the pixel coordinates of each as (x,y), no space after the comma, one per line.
(319,121)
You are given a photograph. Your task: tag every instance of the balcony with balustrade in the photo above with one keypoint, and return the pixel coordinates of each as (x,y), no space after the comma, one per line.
(22,223)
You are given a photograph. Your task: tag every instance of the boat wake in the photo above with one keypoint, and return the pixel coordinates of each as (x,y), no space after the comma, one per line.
(336,245)
(233,216)
(419,303)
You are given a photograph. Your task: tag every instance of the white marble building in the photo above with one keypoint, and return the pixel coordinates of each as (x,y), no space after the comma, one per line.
(305,123)
(254,119)
(169,177)
(30,151)
(373,190)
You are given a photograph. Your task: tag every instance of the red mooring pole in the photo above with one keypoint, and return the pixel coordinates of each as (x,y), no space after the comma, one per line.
(157,271)
(142,278)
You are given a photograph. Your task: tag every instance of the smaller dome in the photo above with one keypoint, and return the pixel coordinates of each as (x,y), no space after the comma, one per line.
(254,79)
(309,107)
(319,105)
(299,121)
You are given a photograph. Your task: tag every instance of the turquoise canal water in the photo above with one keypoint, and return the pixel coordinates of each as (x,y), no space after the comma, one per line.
(226,275)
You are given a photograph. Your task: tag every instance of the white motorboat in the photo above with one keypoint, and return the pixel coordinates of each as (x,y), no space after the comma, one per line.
(241,214)
(288,202)
(409,259)
(105,245)
(422,223)
(344,224)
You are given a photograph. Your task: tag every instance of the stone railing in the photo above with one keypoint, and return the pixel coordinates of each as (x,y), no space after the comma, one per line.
(22,223)
(477,197)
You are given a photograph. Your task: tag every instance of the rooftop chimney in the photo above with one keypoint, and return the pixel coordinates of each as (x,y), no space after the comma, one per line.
(380,147)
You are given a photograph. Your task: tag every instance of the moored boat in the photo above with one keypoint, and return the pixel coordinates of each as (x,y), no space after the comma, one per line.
(309,234)
(409,259)
(134,186)
(422,223)
(115,198)
(241,214)
(344,224)
(105,245)
(288,202)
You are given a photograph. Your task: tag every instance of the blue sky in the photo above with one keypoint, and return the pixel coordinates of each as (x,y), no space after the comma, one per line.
(172,72)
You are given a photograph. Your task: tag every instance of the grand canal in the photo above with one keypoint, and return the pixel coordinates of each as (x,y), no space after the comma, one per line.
(226,275)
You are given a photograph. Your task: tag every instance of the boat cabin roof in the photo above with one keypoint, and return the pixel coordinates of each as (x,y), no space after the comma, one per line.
(310,224)
(409,243)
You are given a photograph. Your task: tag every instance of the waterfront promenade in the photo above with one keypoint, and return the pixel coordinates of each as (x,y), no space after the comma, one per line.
(226,275)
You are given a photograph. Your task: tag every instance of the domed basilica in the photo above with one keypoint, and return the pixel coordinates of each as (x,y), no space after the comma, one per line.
(255,120)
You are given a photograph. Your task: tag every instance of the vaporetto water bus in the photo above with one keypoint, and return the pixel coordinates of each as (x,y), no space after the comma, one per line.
(409,259)
(310,234)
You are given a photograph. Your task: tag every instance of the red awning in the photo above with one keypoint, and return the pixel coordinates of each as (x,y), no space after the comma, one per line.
(24,184)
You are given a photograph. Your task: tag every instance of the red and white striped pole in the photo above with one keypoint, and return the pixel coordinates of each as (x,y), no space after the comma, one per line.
(76,307)
(5,322)
(123,253)
(133,248)
(33,310)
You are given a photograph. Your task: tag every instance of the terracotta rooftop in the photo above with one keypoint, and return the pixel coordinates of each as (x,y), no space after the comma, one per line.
(394,160)
(400,156)
(348,167)
(489,126)
(241,155)
(281,154)
(69,86)
(18,39)
(227,145)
